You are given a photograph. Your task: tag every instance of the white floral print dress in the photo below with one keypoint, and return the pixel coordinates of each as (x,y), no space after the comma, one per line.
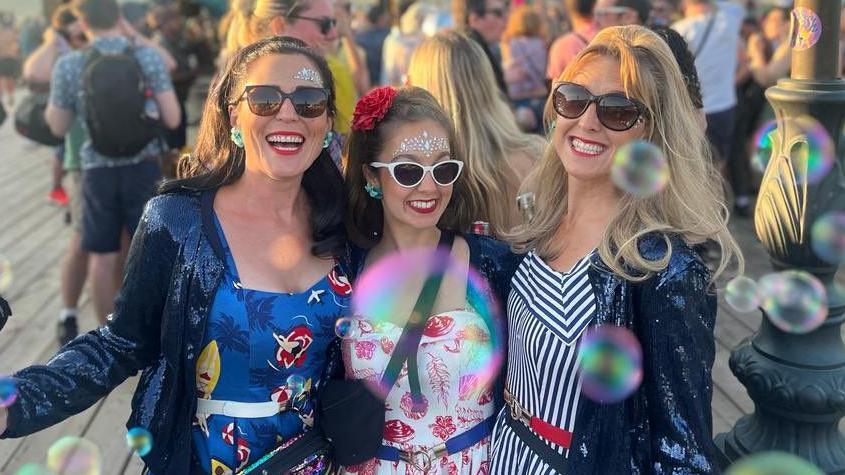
(454,361)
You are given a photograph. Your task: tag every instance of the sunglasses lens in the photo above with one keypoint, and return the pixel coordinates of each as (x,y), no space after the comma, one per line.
(570,101)
(408,174)
(618,112)
(264,101)
(446,173)
(310,102)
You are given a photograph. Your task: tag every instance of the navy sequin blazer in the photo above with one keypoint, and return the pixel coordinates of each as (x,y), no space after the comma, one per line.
(665,427)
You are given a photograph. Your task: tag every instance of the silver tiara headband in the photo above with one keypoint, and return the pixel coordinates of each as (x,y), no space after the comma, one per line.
(424,143)
(308,74)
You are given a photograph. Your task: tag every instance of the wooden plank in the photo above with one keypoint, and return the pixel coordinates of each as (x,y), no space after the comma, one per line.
(108,429)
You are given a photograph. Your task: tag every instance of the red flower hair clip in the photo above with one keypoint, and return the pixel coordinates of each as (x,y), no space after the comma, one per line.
(372,108)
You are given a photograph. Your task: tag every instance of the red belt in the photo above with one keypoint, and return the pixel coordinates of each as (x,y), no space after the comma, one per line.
(542,428)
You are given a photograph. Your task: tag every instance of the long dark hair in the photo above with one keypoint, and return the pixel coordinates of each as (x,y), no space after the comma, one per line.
(365,217)
(216,161)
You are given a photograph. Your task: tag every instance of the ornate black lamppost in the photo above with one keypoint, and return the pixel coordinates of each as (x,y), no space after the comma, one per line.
(797,381)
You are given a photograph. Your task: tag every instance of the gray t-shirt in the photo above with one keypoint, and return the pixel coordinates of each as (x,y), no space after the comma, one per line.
(66,92)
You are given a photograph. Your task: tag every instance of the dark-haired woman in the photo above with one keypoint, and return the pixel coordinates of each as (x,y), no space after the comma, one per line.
(232,286)
(407,194)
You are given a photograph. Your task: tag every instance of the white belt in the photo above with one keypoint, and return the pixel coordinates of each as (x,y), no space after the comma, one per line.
(247,410)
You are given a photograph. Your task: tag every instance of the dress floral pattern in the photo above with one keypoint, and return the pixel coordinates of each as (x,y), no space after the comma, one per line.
(262,346)
(454,352)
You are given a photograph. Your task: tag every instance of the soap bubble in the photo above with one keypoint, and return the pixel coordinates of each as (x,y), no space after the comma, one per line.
(763,144)
(742,295)
(8,391)
(34,469)
(140,440)
(812,154)
(611,363)
(828,237)
(385,296)
(773,463)
(296,384)
(74,456)
(346,327)
(793,300)
(640,168)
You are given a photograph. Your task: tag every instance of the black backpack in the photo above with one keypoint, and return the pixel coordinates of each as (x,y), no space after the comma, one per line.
(115,94)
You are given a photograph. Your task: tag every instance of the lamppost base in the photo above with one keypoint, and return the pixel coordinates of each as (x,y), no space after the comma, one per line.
(797,409)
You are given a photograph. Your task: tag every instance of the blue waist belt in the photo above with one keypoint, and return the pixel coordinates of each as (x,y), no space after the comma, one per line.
(422,459)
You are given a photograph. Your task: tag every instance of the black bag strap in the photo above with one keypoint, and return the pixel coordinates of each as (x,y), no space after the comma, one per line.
(406,347)
(707,31)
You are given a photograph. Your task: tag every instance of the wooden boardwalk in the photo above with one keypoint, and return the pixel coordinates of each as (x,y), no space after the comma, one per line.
(33,235)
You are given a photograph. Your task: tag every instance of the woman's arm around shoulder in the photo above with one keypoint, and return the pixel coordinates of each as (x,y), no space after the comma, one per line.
(675,316)
(495,261)
(90,366)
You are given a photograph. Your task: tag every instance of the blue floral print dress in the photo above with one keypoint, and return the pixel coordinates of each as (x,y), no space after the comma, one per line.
(262,346)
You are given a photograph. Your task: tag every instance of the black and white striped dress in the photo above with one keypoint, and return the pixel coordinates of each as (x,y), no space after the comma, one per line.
(547,313)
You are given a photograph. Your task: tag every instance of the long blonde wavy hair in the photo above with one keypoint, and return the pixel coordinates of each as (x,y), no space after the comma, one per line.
(455,70)
(235,29)
(692,203)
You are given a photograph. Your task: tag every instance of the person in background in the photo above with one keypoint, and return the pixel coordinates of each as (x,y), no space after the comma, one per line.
(711,29)
(767,58)
(686,62)
(565,48)
(114,191)
(401,43)
(10,59)
(168,26)
(663,12)
(234,32)
(372,38)
(621,12)
(315,23)
(524,56)
(484,21)
(347,51)
(64,35)
(769,51)
(497,153)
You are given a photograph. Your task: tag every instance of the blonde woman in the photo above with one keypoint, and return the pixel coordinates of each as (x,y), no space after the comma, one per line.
(314,22)
(598,256)
(234,30)
(524,52)
(498,155)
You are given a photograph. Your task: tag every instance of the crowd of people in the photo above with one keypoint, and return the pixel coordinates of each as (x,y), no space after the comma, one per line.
(332,138)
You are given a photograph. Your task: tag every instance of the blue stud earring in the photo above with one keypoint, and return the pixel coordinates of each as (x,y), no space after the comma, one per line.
(373,191)
(328,140)
(237,137)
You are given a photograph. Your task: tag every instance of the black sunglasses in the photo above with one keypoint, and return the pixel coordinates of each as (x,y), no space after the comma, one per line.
(499,12)
(614,110)
(325,23)
(308,102)
(411,174)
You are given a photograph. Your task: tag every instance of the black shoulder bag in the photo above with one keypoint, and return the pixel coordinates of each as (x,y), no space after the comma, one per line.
(350,415)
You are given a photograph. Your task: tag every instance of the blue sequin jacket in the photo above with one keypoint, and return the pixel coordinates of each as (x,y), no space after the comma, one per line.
(665,427)
(171,276)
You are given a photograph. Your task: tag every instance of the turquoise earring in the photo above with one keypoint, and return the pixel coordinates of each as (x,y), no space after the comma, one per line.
(373,191)
(328,140)
(237,137)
